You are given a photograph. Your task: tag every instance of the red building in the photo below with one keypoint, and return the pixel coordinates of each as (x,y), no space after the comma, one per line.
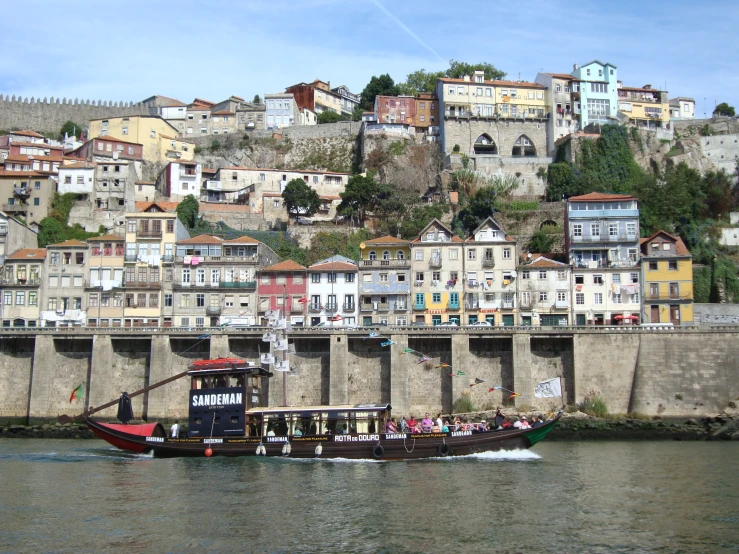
(395,109)
(109,147)
(282,287)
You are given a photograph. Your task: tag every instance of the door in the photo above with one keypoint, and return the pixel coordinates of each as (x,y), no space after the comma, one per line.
(508,320)
(675,314)
(366,321)
(526,320)
(654,314)
(580,320)
(214,321)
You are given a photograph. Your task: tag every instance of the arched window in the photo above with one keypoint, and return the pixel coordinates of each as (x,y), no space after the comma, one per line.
(523,147)
(400,255)
(549,223)
(386,255)
(19,322)
(485,145)
(372,255)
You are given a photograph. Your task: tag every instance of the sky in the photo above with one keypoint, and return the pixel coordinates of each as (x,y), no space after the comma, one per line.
(216,48)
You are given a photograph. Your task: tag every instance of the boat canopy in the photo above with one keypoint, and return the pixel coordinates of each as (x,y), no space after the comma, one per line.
(324,409)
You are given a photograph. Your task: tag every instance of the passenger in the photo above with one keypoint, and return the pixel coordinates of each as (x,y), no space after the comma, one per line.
(344,430)
(457,424)
(416,429)
(297,432)
(439,422)
(412,422)
(404,428)
(482,426)
(371,428)
(175,429)
(313,428)
(390,426)
(506,424)
(445,427)
(270,431)
(436,429)
(522,423)
(536,421)
(427,423)
(499,418)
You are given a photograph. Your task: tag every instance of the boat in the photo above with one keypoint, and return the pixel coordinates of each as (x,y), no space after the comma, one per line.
(227,417)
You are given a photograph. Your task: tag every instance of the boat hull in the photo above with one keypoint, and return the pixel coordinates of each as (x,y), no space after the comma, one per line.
(382,446)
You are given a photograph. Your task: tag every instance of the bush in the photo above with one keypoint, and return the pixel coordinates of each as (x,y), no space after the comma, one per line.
(198,149)
(215,145)
(456,149)
(594,406)
(463,404)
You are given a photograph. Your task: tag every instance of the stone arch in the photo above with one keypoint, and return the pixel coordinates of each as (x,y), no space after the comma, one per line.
(484,144)
(547,223)
(523,146)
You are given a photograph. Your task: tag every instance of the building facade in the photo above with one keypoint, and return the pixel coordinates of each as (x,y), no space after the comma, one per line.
(14,235)
(602,242)
(384,281)
(349,100)
(28,194)
(645,107)
(282,110)
(427,112)
(667,280)
(565,111)
(681,108)
(157,136)
(104,281)
(544,292)
(595,93)
(333,291)
(65,273)
(22,286)
(180,179)
(395,109)
(283,287)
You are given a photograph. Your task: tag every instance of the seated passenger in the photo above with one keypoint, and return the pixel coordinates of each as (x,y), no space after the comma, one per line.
(506,424)
(404,425)
(445,427)
(427,423)
(522,423)
(416,429)
(390,426)
(412,423)
(270,431)
(344,430)
(297,432)
(436,429)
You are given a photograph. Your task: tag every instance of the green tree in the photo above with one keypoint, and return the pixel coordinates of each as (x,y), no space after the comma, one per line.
(420,81)
(188,210)
(420,216)
(382,85)
(724,109)
(326,244)
(329,117)
(70,128)
(52,231)
(480,205)
(300,199)
(359,196)
(357,112)
(719,194)
(457,70)
(541,242)
(256,99)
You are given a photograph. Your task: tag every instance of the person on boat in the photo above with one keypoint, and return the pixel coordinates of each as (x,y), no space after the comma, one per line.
(390,426)
(270,431)
(412,422)
(416,429)
(536,421)
(344,430)
(522,423)
(499,418)
(506,424)
(439,422)
(457,424)
(297,432)
(175,429)
(445,427)
(404,428)
(427,423)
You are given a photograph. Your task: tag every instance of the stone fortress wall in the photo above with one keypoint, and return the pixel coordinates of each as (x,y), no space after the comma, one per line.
(670,372)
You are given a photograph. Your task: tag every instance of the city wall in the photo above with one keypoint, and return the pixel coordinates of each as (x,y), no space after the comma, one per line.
(48,115)
(669,372)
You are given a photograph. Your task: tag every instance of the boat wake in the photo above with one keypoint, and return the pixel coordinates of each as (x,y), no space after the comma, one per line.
(499,456)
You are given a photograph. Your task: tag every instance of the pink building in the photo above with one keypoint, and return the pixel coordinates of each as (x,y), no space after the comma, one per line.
(282,287)
(395,109)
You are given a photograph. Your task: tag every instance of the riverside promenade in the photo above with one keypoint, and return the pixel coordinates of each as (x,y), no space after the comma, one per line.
(682,371)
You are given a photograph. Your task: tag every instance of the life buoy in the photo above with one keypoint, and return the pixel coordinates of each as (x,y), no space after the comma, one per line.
(378,451)
(443,449)
(286,449)
(261,450)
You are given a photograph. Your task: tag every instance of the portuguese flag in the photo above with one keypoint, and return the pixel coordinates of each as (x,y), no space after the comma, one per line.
(79,392)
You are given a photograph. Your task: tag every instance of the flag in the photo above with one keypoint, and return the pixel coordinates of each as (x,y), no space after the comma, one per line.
(201,337)
(372,335)
(337,317)
(442,365)
(408,351)
(388,343)
(423,359)
(476,382)
(302,300)
(491,389)
(549,388)
(461,373)
(79,392)
(514,395)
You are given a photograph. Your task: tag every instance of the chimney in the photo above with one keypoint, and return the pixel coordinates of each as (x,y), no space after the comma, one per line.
(648,86)
(574,67)
(466,78)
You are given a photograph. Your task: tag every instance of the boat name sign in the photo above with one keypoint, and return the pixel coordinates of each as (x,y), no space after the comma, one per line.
(226,399)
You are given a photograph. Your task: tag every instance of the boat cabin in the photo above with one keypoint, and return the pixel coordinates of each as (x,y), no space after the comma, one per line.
(284,422)
(220,393)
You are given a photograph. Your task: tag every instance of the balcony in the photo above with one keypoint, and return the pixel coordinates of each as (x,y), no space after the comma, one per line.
(419,305)
(314,309)
(213,310)
(472,305)
(148,233)
(526,304)
(507,304)
(142,285)
(296,309)
(488,262)
(652,296)
(130,258)
(562,304)
(435,262)
(331,309)
(15,207)
(349,308)
(248,285)
(382,307)
(367,307)
(453,305)
(21,282)
(249,258)
(597,239)
(188,174)
(168,258)
(392,262)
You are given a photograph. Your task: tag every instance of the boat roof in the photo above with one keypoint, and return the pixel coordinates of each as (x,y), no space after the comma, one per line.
(338,408)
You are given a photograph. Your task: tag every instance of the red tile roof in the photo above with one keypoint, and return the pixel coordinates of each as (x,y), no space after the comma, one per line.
(166,206)
(242,240)
(494,83)
(106,238)
(336,266)
(387,239)
(17,158)
(112,139)
(38,145)
(27,133)
(202,239)
(26,253)
(680,248)
(561,75)
(22,174)
(287,265)
(223,112)
(600,197)
(79,165)
(70,242)
(542,262)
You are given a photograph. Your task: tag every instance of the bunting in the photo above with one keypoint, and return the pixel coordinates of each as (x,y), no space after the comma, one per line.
(475,382)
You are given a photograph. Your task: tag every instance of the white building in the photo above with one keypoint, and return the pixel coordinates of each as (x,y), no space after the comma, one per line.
(544,292)
(333,290)
(682,107)
(180,179)
(77,177)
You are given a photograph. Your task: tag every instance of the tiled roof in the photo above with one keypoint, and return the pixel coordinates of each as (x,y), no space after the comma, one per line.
(166,206)
(22,174)
(223,112)
(17,158)
(27,253)
(600,196)
(244,168)
(106,238)
(145,182)
(561,75)
(287,265)
(27,133)
(680,248)
(208,170)
(542,262)
(113,139)
(455,238)
(242,240)
(79,165)
(387,239)
(38,145)
(202,239)
(336,266)
(494,83)
(70,242)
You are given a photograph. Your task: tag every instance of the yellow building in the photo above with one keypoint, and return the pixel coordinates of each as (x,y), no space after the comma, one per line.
(645,107)
(384,281)
(667,280)
(148,262)
(437,275)
(156,135)
(104,285)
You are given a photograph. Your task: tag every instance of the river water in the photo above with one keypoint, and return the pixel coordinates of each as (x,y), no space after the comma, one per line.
(83,496)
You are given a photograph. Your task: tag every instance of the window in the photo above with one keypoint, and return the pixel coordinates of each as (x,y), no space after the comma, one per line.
(168,301)
(349,277)
(634,277)
(401,277)
(20,298)
(32,298)
(616,278)
(597,279)
(200,300)
(652,266)
(141,300)
(153,300)
(472,254)
(631,230)
(672,265)
(594,230)
(383,278)
(436,297)
(543,297)
(616,297)
(561,296)
(598,298)
(453,253)
(419,277)
(506,253)
(599,87)
(315,278)
(561,275)
(542,274)
(436,276)
(613,230)
(419,254)
(525,274)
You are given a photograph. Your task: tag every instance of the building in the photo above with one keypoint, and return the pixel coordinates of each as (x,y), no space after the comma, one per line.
(488,275)
(14,235)
(145,191)
(157,136)
(78,178)
(307,117)
(216,280)
(667,280)
(646,108)
(544,292)
(283,287)
(385,281)
(104,281)
(333,290)
(107,148)
(437,273)
(316,96)
(282,110)
(114,193)
(492,118)
(349,100)
(28,194)
(22,278)
(602,242)
(151,236)
(681,108)
(395,109)
(595,93)
(565,111)
(64,285)
(427,112)
(180,179)
(33,156)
